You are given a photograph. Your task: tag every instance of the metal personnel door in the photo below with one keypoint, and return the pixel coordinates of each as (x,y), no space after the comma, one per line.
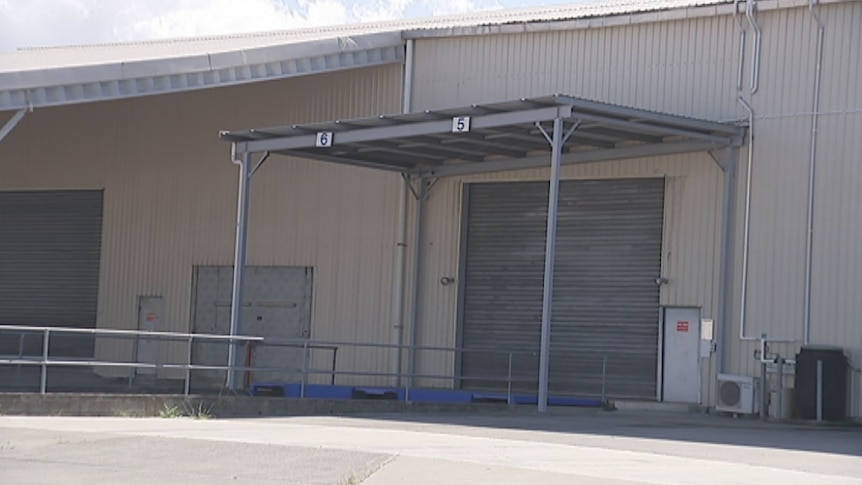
(277,306)
(681,363)
(606,299)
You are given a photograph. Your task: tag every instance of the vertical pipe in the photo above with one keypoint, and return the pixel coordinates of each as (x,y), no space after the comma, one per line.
(418,236)
(43,385)
(550,255)
(819,390)
(409,58)
(400,269)
(743,292)
(240,258)
(812,165)
(741,44)
(401,243)
(726,276)
(750,9)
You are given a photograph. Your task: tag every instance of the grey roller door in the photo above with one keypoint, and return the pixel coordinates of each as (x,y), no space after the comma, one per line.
(50,249)
(605,296)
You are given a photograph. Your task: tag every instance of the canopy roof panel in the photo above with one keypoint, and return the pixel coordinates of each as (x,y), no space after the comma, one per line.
(490,137)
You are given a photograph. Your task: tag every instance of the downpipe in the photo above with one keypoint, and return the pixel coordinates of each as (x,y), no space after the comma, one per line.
(812,170)
(739,23)
(400,266)
(743,294)
(750,9)
(239,258)
(401,244)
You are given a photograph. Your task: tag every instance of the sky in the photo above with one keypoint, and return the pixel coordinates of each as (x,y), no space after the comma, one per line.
(37,23)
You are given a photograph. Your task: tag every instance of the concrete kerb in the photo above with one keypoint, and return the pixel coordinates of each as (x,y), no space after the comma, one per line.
(226,406)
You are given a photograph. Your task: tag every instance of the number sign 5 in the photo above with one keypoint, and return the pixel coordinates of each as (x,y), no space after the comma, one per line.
(461,124)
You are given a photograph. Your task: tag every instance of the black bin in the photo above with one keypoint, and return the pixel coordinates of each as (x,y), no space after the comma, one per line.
(834,383)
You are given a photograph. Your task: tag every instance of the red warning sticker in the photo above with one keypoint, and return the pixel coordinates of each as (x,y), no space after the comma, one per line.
(682,326)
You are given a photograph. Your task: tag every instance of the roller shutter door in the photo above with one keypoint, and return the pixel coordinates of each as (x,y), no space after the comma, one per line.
(606,301)
(50,247)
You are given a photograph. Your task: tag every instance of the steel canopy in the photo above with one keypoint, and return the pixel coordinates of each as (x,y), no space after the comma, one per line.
(501,136)
(549,131)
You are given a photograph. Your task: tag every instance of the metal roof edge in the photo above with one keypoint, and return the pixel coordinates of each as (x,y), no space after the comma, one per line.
(100,82)
(600,21)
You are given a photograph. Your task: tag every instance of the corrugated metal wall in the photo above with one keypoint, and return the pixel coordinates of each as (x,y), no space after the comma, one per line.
(690,67)
(170,199)
(163,215)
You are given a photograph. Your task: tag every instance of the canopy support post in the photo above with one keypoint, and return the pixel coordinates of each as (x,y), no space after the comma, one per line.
(557,139)
(239,262)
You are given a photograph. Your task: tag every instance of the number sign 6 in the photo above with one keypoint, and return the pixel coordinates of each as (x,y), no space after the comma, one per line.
(324,139)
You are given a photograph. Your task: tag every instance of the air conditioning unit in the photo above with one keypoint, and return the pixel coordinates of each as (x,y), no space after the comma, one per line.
(736,394)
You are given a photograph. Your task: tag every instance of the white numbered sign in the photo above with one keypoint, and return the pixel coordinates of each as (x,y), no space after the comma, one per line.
(460,124)
(324,139)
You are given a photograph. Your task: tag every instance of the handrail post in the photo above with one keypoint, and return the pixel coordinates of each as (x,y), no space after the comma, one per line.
(509,399)
(604,374)
(304,380)
(334,363)
(43,388)
(188,366)
(20,357)
(411,372)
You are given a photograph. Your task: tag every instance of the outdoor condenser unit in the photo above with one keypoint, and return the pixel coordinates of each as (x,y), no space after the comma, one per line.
(736,394)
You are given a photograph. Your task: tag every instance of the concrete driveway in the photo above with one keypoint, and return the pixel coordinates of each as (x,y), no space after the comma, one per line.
(564,447)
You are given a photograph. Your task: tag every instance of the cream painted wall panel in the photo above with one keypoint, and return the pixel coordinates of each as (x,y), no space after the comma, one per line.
(783,131)
(685,67)
(170,198)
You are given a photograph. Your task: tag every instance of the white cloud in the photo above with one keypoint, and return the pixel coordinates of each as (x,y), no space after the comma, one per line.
(28,23)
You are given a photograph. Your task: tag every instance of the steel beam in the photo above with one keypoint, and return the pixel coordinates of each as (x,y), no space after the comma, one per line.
(639,151)
(651,116)
(646,128)
(405,130)
(239,262)
(12,123)
(351,159)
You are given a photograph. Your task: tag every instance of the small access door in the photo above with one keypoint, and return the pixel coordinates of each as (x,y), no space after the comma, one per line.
(681,363)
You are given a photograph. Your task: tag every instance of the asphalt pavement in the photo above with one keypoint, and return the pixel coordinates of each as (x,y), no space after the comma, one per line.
(564,447)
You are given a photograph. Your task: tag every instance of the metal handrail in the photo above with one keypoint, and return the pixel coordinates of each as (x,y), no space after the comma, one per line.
(130,333)
(253,341)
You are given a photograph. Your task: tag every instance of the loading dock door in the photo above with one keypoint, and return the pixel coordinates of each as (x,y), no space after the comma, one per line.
(50,250)
(606,300)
